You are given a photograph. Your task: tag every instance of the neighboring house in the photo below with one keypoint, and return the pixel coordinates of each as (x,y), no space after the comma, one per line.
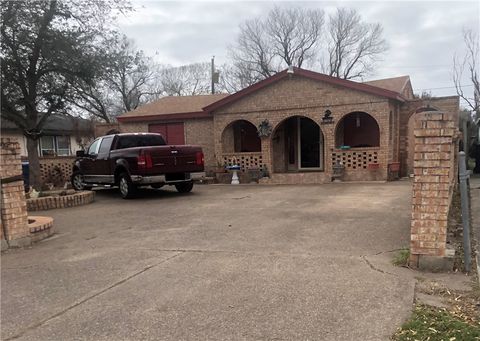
(61,135)
(308,122)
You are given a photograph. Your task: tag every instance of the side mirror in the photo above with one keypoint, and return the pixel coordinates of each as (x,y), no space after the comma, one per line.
(81,153)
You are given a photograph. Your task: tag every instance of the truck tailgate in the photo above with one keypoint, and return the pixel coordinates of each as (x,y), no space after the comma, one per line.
(174,159)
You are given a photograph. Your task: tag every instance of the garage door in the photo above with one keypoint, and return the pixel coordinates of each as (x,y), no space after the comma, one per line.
(172,132)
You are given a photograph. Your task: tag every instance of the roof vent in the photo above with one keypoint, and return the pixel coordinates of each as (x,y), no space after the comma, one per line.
(290,69)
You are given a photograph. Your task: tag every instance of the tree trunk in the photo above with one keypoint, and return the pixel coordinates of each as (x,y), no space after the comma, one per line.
(34,164)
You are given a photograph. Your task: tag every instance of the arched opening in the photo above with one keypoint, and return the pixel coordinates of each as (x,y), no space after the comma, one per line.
(357,130)
(297,145)
(241,137)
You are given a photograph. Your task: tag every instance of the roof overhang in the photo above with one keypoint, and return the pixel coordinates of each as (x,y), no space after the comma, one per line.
(311,75)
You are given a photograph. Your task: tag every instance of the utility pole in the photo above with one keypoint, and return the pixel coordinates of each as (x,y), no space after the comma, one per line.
(213,75)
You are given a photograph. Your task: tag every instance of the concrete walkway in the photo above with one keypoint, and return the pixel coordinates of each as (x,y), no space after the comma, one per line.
(221,263)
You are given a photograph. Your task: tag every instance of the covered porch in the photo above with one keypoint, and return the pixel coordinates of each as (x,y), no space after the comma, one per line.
(302,149)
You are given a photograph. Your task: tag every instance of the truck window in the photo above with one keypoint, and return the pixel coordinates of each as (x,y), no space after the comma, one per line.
(131,141)
(105,146)
(93,149)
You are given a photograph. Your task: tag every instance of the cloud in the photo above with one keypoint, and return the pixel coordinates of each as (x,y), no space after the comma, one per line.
(423,35)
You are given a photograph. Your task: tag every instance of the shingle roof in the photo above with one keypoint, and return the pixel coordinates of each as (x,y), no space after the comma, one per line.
(174,105)
(396,84)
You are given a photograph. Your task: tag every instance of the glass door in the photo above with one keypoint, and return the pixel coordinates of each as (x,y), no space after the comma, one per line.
(310,144)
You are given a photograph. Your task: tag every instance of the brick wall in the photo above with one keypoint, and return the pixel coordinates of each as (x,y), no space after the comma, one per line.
(13,204)
(134,127)
(434,178)
(200,132)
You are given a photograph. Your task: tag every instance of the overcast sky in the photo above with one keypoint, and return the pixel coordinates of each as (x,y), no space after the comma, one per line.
(423,35)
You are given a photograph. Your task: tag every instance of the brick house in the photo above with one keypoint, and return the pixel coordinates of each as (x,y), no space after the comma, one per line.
(308,122)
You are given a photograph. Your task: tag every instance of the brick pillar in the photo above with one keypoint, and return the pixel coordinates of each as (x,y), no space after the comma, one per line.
(267,153)
(13,204)
(434,178)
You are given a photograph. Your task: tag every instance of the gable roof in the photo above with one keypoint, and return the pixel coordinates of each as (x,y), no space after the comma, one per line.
(396,84)
(172,107)
(374,90)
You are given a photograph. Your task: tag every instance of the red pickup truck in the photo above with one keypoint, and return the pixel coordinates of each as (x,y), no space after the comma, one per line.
(139,159)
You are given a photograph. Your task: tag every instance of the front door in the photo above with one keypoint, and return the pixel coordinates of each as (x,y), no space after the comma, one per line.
(309,144)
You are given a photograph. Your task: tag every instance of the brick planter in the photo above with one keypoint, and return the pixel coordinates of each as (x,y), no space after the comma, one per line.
(40,227)
(51,202)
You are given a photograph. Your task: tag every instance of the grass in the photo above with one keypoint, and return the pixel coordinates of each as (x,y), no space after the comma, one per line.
(432,324)
(401,258)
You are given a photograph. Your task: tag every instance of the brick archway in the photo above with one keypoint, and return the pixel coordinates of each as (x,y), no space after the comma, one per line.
(297,144)
(357,129)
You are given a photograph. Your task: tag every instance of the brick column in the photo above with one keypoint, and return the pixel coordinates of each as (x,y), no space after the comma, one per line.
(434,176)
(13,204)
(267,153)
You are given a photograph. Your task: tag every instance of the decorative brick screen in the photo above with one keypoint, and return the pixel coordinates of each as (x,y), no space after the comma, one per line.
(356,159)
(244,160)
(56,170)
(435,172)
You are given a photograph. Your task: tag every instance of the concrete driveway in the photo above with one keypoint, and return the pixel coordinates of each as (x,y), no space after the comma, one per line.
(246,262)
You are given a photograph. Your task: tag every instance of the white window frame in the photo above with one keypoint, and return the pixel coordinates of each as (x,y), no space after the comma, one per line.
(57,149)
(55,145)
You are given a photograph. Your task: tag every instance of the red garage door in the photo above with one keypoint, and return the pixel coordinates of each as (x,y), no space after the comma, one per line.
(172,132)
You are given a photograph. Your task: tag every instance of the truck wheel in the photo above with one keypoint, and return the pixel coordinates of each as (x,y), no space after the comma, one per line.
(77,182)
(127,188)
(184,187)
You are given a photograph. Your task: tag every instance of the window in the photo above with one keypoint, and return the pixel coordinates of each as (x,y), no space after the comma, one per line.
(140,140)
(63,145)
(47,146)
(105,146)
(54,145)
(93,149)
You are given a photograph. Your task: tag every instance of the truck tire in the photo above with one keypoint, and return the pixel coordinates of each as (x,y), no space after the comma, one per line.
(126,186)
(184,187)
(77,182)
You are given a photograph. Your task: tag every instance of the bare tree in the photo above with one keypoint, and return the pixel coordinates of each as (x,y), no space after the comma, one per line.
(130,74)
(186,80)
(124,81)
(285,37)
(353,46)
(469,64)
(236,77)
(294,34)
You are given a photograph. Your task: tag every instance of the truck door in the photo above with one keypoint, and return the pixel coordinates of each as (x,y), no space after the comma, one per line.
(87,163)
(102,165)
